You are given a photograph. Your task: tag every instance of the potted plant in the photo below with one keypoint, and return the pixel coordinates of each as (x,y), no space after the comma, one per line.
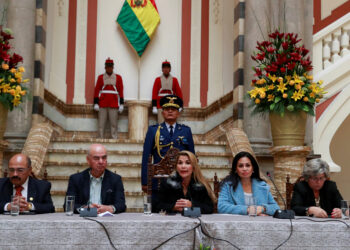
(11,78)
(284,87)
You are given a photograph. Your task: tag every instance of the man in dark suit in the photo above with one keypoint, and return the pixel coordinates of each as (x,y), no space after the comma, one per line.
(97,186)
(161,137)
(34,195)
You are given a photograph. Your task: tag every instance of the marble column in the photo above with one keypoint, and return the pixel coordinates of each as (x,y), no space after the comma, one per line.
(21,20)
(263,16)
(288,160)
(138,119)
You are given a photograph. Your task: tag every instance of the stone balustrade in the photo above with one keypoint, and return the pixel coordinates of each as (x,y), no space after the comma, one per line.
(331,44)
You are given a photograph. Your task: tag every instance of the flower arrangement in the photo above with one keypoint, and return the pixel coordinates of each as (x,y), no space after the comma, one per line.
(283,80)
(11,91)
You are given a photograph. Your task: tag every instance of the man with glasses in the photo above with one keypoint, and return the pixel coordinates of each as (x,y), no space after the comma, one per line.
(34,195)
(97,186)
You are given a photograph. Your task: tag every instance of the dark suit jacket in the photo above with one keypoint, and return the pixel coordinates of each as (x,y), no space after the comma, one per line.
(171,190)
(112,191)
(303,197)
(39,190)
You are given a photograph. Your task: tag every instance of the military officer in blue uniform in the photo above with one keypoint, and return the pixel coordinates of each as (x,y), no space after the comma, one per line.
(161,137)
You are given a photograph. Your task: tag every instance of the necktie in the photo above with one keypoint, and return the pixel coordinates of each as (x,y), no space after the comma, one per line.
(19,190)
(171,130)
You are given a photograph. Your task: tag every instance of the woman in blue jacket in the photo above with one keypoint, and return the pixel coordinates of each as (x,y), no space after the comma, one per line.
(243,187)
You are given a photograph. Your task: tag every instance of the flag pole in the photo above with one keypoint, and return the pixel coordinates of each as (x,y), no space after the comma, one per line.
(138,79)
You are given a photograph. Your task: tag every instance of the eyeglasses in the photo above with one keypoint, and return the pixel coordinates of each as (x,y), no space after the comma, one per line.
(19,170)
(315,179)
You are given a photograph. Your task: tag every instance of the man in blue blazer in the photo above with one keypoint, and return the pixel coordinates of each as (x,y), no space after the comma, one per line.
(34,195)
(97,186)
(161,137)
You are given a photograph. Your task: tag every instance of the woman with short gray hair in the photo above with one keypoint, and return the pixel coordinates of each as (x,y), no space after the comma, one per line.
(316,195)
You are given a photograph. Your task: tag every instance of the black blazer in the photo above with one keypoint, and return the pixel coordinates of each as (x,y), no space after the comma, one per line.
(303,197)
(112,191)
(38,194)
(171,190)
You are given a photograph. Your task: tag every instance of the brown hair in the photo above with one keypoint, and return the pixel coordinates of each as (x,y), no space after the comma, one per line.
(197,174)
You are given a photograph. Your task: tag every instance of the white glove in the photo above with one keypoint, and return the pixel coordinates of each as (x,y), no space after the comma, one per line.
(96,107)
(180,109)
(121,108)
(155,110)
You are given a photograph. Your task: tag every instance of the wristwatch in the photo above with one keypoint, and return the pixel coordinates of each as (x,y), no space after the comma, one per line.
(307,211)
(30,206)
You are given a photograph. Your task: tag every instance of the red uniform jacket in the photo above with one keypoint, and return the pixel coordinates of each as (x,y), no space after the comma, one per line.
(176,90)
(108,100)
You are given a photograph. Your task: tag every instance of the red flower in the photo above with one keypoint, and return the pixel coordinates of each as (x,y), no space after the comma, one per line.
(258,72)
(260,56)
(283,70)
(285,45)
(291,66)
(15,59)
(6,36)
(271,68)
(271,49)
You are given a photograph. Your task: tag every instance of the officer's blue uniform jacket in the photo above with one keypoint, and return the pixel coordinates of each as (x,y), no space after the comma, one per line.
(182,139)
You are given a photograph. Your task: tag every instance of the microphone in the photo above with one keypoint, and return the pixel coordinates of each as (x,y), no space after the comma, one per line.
(281,214)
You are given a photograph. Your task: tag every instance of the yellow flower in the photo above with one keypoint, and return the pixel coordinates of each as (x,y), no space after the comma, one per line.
(285,95)
(1,80)
(25,80)
(19,80)
(16,101)
(310,77)
(5,66)
(271,87)
(305,99)
(12,80)
(297,86)
(291,82)
(12,92)
(257,100)
(270,98)
(253,93)
(280,79)
(297,95)
(23,92)
(13,70)
(21,69)
(5,88)
(261,81)
(18,75)
(273,78)
(317,100)
(312,95)
(281,87)
(288,78)
(262,95)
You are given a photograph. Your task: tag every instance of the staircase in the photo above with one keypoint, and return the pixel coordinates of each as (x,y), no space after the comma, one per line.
(66,156)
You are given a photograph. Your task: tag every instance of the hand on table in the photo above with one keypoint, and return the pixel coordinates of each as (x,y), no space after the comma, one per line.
(336,213)
(181,203)
(318,212)
(102,208)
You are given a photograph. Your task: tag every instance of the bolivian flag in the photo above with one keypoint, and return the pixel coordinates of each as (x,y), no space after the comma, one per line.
(139,20)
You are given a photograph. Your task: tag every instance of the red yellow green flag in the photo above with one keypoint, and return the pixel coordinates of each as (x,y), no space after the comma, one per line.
(139,20)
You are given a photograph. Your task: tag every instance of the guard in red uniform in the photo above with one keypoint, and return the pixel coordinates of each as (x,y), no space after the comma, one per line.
(108,98)
(164,85)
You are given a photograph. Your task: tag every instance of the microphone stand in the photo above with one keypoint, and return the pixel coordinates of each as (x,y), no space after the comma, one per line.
(281,214)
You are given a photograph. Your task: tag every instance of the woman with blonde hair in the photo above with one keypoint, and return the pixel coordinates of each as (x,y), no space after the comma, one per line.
(186,187)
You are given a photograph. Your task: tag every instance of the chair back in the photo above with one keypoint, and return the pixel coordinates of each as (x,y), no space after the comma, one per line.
(162,169)
(289,189)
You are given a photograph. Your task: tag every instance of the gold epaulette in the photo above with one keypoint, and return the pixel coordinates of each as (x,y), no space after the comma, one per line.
(157,144)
